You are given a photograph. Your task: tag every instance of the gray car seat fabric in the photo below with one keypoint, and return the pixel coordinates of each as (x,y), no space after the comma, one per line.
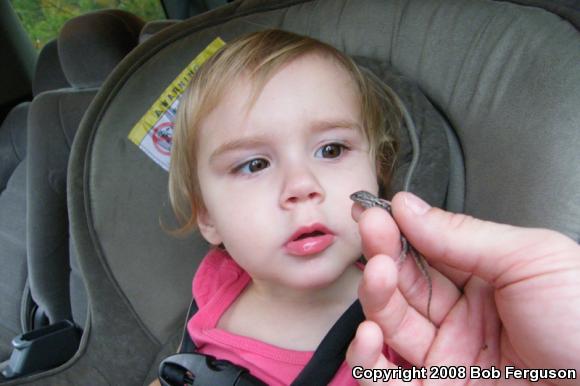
(95,43)
(48,74)
(423,162)
(503,76)
(13,165)
(12,225)
(89,46)
(12,142)
(153,27)
(567,9)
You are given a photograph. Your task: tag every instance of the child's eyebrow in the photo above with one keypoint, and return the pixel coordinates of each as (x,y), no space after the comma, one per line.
(259,140)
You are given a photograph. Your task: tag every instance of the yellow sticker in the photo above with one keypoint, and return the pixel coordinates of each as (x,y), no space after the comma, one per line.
(154,131)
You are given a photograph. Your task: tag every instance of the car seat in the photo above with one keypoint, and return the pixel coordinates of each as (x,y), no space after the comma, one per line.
(15,304)
(89,46)
(503,75)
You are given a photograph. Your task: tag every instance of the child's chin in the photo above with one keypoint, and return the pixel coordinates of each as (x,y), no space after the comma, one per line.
(318,280)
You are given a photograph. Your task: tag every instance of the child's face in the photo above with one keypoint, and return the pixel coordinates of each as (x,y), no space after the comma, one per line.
(287,170)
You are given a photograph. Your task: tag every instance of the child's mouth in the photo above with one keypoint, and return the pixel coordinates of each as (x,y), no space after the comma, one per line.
(311,234)
(309,240)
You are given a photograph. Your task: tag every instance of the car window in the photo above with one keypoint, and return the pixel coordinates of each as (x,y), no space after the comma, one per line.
(43,19)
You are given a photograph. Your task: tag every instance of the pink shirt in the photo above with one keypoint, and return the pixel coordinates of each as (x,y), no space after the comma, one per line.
(217,283)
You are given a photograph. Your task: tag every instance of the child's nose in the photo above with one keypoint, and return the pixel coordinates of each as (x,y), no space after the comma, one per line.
(301,185)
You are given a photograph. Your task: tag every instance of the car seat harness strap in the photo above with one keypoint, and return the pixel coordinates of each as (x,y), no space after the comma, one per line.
(191,367)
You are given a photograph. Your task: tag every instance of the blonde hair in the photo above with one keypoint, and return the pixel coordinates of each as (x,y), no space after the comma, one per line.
(260,55)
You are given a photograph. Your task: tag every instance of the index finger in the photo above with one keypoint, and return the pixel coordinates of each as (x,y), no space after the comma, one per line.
(378,231)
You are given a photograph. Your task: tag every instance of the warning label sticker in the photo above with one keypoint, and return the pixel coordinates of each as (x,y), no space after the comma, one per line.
(154,131)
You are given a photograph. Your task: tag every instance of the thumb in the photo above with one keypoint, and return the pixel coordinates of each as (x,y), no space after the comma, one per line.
(486,249)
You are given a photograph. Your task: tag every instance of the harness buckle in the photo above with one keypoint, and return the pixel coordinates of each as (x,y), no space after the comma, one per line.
(203,370)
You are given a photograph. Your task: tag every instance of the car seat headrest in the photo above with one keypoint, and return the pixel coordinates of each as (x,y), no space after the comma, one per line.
(91,45)
(48,74)
(423,161)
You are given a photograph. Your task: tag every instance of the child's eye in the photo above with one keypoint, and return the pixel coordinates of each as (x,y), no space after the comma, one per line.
(332,150)
(252,166)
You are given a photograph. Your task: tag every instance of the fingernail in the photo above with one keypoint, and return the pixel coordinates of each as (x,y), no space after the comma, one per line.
(415,204)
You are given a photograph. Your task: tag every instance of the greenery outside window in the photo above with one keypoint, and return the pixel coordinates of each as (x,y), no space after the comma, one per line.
(42,19)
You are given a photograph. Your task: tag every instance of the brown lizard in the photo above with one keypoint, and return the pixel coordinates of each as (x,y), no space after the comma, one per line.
(368,200)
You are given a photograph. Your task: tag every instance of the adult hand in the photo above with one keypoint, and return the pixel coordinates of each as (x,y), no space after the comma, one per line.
(502,295)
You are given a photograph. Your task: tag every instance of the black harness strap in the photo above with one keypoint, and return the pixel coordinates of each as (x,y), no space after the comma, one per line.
(332,350)
(190,367)
(193,368)
(187,344)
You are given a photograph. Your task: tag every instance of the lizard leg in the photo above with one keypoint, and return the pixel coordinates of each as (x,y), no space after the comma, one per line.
(421,264)
(424,268)
(404,251)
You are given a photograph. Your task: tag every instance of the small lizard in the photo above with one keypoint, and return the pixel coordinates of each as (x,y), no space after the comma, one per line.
(368,200)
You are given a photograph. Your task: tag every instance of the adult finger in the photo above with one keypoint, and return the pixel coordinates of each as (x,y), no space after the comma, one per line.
(472,331)
(366,357)
(378,230)
(380,235)
(404,329)
(489,250)
(456,276)
(415,287)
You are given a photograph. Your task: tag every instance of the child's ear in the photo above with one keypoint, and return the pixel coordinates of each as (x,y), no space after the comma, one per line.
(207,227)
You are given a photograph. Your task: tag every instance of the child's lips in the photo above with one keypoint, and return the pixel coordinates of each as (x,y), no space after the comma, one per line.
(309,245)
(309,240)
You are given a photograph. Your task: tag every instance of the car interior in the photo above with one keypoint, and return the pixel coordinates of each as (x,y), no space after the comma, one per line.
(93,288)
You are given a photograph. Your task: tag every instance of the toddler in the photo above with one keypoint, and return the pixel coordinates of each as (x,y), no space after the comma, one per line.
(273,135)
